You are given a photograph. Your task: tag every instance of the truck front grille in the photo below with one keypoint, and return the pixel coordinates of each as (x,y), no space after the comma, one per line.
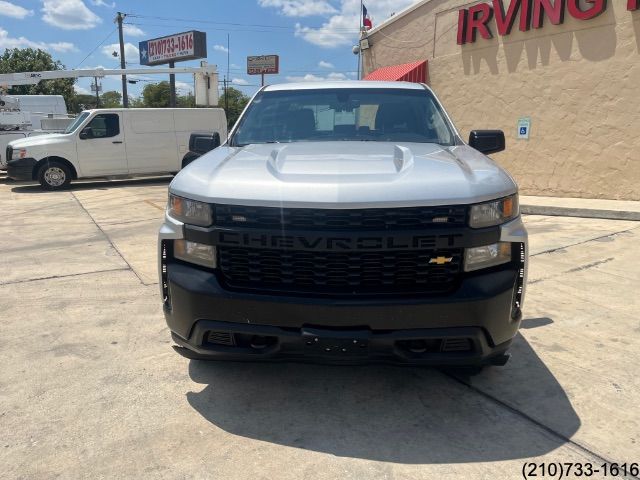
(331,219)
(326,272)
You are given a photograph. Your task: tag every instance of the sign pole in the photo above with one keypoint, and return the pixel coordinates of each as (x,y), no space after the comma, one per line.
(262,82)
(172,84)
(360,26)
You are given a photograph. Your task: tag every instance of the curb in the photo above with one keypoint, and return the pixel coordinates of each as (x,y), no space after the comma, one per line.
(579,212)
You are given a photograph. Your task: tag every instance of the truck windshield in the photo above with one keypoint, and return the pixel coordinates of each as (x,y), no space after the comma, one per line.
(77,122)
(347,114)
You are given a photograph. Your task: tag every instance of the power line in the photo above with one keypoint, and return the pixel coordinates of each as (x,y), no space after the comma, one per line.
(97,46)
(192,20)
(251,30)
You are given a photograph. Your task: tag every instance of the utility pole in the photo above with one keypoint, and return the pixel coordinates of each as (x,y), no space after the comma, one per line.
(95,79)
(123,64)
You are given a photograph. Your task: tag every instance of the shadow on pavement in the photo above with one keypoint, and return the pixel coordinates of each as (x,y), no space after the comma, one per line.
(528,323)
(384,413)
(34,187)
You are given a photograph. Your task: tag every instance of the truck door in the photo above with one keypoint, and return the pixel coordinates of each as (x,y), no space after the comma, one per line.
(101,149)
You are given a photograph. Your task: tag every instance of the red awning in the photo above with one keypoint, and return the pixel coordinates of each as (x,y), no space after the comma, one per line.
(407,72)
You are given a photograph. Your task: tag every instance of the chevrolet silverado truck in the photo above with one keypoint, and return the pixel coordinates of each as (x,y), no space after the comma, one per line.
(345,222)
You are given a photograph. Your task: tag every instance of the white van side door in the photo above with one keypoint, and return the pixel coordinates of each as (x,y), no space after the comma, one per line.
(151,140)
(100,146)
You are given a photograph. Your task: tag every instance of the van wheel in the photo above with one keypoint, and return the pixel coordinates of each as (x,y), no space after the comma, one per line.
(54,176)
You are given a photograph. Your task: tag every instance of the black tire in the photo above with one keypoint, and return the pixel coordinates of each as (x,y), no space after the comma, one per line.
(54,175)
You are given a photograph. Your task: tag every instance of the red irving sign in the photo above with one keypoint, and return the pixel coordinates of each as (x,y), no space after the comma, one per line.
(531,14)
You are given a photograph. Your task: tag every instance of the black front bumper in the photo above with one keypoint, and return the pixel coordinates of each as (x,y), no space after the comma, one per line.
(21,169)
(468,327)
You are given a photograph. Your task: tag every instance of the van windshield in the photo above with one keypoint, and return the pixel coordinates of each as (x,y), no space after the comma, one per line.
(72,127)
(344,114)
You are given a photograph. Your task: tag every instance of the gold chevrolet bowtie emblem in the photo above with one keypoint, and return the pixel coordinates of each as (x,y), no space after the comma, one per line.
(440,260)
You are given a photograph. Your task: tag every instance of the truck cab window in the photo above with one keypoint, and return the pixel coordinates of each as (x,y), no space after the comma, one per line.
(105,125)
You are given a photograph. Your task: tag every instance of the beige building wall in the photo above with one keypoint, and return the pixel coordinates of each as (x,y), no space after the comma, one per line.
(579,82)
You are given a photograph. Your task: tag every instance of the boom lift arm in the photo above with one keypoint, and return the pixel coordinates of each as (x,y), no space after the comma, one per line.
(206,78)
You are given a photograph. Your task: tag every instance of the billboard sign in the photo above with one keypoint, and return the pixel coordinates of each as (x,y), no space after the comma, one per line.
(173,48)
(263,64)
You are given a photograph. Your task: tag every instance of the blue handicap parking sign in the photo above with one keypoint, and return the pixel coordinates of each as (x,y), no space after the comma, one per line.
(523,130)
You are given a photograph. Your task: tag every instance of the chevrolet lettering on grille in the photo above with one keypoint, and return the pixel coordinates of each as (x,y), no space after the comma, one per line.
(346,242)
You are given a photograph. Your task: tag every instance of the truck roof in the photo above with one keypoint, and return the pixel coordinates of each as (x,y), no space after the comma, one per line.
(344,84)
(121,109)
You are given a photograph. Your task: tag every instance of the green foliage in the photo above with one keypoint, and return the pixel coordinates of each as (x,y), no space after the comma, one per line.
(111,99)
(31,60)
(84,102)
(233,101)
(158,95)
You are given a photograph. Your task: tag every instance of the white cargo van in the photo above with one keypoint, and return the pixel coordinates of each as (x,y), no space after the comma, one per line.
(113,142)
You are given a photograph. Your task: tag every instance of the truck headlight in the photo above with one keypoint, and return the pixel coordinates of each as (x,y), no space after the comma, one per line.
(493,213)
(190,211)
(486,256)
(19,153)
(194,252)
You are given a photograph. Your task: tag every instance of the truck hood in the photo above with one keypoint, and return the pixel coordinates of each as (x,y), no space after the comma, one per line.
(41,140)
(343,175)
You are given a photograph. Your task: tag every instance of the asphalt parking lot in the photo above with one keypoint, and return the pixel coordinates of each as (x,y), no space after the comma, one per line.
(90,387)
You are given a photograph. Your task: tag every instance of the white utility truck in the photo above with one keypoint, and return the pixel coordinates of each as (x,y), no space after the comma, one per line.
(23,116)
(113,142)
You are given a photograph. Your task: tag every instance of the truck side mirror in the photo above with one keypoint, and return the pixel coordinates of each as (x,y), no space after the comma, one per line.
(203,142)
(487,141)
(86,133)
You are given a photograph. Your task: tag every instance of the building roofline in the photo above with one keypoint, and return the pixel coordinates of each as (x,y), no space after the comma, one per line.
(397,16)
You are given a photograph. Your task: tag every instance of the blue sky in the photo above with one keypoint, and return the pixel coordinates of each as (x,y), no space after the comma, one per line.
(312,37)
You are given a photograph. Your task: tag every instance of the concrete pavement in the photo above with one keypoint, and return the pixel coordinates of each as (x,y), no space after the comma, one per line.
(581,207)
(91,388)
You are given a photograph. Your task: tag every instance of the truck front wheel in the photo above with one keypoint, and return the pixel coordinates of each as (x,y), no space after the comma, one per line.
(54,175)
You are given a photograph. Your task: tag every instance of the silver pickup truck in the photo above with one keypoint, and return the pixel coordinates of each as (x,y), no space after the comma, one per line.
(345,222)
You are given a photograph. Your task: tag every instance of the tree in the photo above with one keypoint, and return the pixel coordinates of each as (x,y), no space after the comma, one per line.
(31,60)
(84,101)
(156,95)
(234,101)
(111,99)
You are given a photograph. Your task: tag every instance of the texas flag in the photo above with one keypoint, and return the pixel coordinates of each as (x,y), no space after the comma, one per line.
(366,20)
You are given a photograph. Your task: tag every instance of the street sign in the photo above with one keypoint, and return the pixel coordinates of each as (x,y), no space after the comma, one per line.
(263,64)
(524,128)
(173,48)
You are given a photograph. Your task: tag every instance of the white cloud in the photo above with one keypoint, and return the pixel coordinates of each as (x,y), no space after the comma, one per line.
(342,28)
(299,8)
(81,90)
(12,10)
(63,47)
(184,88)
(69,15)
(133,30)
(131,52)
(239,81)
(220,48)
(21,42)
(102,3)
(310,77)
(323,64)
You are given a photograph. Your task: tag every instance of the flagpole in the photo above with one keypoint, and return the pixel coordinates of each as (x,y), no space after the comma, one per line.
(359,35)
